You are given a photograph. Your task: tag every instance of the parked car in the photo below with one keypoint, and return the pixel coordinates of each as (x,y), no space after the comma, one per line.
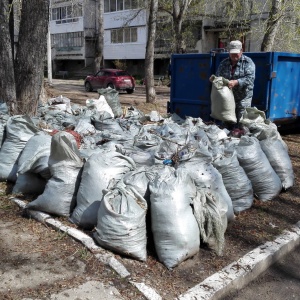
(114,78)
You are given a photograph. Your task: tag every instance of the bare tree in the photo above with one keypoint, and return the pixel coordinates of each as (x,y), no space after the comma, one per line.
(178,11)
(276,15)
(149,59)
(100,39)
(7,79)
(21,80)
(31,51)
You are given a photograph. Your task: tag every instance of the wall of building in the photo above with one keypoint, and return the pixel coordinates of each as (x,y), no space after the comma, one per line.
(121,19)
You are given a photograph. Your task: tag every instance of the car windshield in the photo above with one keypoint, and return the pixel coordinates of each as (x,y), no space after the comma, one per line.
(122,73)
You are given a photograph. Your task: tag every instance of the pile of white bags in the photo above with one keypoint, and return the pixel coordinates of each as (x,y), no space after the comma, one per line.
(180,181)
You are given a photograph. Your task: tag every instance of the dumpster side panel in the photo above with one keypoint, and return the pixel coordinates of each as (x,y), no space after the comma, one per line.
(276,86)
(190,86)
(285,89)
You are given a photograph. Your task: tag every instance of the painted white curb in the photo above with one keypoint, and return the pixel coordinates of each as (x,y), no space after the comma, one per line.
(232,277)
(100,253)
(240,273)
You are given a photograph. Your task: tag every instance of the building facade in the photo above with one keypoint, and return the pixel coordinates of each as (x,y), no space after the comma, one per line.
(74,32)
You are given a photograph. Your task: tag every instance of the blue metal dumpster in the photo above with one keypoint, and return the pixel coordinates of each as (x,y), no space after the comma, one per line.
(276,86)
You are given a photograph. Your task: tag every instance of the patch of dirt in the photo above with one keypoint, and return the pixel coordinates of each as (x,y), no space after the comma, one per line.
(251,228)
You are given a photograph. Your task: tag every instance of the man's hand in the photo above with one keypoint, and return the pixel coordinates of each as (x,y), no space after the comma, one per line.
(232,83)
(211,78)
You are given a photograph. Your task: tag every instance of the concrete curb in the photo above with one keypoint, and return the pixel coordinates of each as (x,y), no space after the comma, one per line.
(241,272)
(233,277)
(100,253)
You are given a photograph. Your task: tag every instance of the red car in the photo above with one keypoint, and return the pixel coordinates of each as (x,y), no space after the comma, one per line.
(114,78)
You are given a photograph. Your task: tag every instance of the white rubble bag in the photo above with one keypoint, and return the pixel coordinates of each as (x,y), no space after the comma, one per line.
(101,172)
(34,157)
(207,177)
(279,159)
(265,182)
(100,105)
(33,170)
(222,101)
(112,98)
(19,129)
(139,179)
(236,182)
(65,165)
(121,222)
(174,227)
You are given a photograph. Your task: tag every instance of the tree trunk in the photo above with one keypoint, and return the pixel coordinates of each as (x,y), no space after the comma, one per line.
(100,39)
(179,11)
(7,80)
(149,59)
(31,53)
(272,25)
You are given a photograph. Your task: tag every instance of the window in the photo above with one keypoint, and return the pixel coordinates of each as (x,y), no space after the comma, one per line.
(67,40)
(117,5)
(66,14)
(124,35)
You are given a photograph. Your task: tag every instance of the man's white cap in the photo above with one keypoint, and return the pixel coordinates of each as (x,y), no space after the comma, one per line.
(235,47)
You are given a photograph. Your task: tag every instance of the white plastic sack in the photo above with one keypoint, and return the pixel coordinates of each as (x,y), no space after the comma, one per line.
(121,222)
(252,115)
(65,165)
(35,155)
(19,129)
(175,229)
(100,105)
(265,182)
(101,172)
(236,181)
(207,177)
(222,101)
(279,160)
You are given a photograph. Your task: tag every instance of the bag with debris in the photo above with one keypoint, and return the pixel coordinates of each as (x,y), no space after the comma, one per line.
(251,116)
(139,179)
(265,182)
(279,159)
(103,122)
(207,177)
(35,155)
(140,157)
(222,101)
(121,222)
(146,140)
(61,103)
(100,105)
(236,181)
(83,127)
(175,229)
(65,165)
(101,172)
(112,98)
(33,169)
(19,129)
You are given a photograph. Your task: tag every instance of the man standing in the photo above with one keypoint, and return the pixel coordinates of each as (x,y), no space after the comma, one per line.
(240,71)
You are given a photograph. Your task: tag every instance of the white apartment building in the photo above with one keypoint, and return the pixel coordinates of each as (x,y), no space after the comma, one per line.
(74,32)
